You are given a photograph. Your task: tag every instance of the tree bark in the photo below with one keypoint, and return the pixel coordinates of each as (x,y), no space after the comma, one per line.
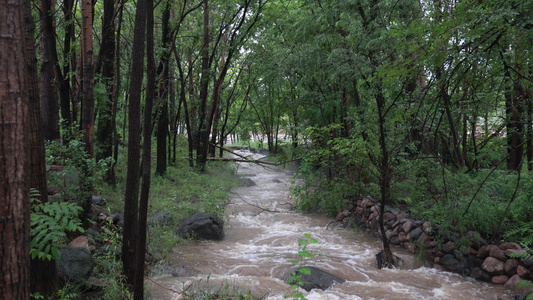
(163,71)
(201,151)
(50,106)
(14,155)
(106,122)
(384,180)
(131,197)
(116,94)
(514,112)
(65,98)
(44,277)
(87,107)
(138,287)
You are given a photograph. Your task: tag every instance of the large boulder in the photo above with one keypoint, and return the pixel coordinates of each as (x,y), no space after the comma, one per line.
(452,264)
(479,274)
(202,226)
(493,266)
(76,264)
(317,279)
(247,182)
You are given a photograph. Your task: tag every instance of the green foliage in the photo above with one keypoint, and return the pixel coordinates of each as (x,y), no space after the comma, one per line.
(522,233)
(108,265)
(79,170)
(68,292)
(49,221)
(526,284)
(441,196)
(161,241)
(295,280)
(332,168)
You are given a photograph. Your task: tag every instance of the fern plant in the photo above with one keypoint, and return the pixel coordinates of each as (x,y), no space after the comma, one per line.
(49,221)
(523,233)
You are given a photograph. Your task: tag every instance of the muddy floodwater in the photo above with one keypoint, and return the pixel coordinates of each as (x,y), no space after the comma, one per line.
(262,234)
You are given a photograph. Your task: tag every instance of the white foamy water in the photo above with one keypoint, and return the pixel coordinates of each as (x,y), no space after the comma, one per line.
(262,235)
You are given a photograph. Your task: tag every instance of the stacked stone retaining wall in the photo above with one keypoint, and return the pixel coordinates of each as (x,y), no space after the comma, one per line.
(469,254)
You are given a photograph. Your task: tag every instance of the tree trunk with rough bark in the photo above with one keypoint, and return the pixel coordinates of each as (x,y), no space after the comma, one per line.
(44,277)
(50,106)
(106,122)
(14,155)
(131,196)
(203,135)
(162,118)
(140,252)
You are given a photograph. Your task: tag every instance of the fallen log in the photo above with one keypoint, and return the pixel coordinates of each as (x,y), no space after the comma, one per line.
(257,161)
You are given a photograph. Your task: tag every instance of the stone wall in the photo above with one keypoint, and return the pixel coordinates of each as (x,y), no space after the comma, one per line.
(469,254)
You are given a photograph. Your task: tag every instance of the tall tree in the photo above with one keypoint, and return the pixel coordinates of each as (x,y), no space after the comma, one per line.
(44,276)
(50,105)
(87,111)
(163,71)
(87,104)
(68,65)
(107,105)
(202,137)
(138,287)
(14,154)
(131,196)
(238,28)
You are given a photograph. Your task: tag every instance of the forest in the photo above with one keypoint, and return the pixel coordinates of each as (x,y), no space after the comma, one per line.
(423,104)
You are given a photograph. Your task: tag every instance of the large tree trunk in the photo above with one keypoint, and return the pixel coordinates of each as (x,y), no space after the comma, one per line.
(87,108)
(14,156)
(44,277)
(163,71)
(50,106)
(203,135)
(106,123)
(131,196)
(116,95)
(138,286)
(68,6)
(87,105)
(515,101)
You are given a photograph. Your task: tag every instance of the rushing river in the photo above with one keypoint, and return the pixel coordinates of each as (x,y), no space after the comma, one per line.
(262,234)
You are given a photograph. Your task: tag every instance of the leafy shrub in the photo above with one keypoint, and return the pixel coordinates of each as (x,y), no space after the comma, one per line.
(77,163)
(295,280)
(49,221)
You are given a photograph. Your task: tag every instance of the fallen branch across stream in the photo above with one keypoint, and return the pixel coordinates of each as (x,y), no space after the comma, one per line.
(257,161)
(246,159)
(256,206)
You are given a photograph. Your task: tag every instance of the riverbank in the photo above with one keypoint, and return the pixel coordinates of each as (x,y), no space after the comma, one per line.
(468,255)
(262,235)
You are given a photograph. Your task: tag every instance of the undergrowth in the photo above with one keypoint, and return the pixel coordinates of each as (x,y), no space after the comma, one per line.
(180,191)
(457,199)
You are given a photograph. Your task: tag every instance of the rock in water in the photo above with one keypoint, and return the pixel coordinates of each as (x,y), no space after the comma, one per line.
(318,279)
(76,264)
(202,226)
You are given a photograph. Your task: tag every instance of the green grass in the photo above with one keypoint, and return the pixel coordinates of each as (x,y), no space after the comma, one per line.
(181,191)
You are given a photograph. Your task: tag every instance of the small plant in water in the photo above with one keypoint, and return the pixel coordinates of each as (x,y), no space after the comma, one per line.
(295,280)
